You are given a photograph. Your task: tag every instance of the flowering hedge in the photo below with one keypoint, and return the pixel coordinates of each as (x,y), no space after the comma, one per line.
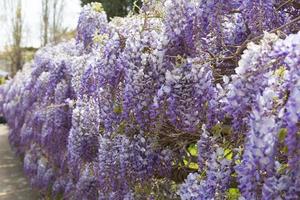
(186,100)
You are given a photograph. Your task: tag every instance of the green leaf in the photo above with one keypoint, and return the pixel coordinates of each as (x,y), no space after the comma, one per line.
(97,7)
(233,194)
(217,129)
(283,168)
(191,165)
(228,154)
(193,150)
(282,134)
(118,109)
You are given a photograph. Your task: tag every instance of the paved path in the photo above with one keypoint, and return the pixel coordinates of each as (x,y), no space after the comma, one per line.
(13,184)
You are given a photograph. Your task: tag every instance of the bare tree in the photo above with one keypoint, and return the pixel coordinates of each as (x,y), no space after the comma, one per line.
(57,16)
(17,38)
(45,21)
(14,49)
(52,20)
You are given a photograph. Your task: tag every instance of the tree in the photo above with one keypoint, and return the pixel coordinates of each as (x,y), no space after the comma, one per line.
(14,49)
(116,7)
(51,28)
(17,39)
(57,11)
(45,22)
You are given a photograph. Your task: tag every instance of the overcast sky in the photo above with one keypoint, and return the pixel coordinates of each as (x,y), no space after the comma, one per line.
(32,17)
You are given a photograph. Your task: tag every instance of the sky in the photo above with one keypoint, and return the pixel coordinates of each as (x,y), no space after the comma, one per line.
(32,20)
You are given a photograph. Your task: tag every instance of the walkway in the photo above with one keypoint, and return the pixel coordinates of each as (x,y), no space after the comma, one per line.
(13,184)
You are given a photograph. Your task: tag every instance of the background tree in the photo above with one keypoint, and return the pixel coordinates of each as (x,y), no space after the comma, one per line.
(14,50)
(116,7)
(45,21)
(51,28)
(57,16)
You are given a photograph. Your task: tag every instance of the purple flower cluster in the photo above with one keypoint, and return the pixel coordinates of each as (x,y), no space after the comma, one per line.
(186,89)
(272,122)
(92,22)
(123,162)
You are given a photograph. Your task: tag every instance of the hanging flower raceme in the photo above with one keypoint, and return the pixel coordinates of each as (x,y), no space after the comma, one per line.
(189,94)
(270,112)
(124,161)
(143,73)
(92,22)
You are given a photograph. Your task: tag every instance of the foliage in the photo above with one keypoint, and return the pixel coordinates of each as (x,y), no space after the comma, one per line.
(116,7)
(190,99)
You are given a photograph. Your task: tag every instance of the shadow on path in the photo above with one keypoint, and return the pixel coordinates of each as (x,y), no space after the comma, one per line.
(13,184)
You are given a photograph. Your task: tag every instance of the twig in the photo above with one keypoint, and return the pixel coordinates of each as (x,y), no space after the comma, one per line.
(56,106)
(244,45)
(283,4)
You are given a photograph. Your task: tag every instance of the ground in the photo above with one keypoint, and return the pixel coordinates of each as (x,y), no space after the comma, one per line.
(13,184)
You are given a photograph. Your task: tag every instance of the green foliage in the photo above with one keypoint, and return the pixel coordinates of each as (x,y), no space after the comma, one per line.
(2,80)
(221,129)
(228,154)
(282,134)
(191,165)
(116,7)
(193,150)
(118,109)
(283,168)
(233,194)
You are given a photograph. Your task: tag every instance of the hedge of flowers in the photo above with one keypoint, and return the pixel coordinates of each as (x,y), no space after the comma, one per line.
(189,99)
